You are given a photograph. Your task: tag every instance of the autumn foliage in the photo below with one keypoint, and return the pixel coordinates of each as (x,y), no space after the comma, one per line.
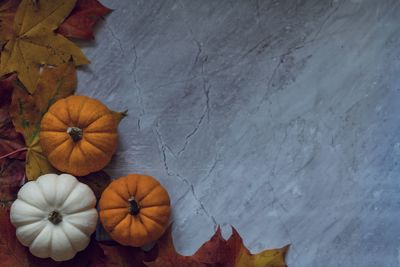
(38,63)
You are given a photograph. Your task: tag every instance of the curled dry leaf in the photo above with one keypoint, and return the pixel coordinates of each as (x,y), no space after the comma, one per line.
(27,111)
(217,252)
(82,19)
(34,42)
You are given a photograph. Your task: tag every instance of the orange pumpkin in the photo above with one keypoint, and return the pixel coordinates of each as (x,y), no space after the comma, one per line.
(135,210)
(78,135)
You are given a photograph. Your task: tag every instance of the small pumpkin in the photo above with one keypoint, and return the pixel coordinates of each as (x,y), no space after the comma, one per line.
(135,210)
(78,135)
(54,216)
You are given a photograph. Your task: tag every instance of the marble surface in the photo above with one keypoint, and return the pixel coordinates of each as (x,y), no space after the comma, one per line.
(281,118)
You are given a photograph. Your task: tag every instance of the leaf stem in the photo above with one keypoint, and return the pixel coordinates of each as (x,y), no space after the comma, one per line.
(14,152)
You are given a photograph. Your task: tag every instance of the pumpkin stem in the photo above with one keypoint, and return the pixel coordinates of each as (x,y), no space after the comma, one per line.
(55,217)
(133,207)
(75,133)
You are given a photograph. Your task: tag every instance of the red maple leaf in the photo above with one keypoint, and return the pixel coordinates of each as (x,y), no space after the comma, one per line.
(82,19)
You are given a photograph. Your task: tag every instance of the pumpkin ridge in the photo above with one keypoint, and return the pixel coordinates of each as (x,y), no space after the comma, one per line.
(23,200)
(79,147)
(150,191)
(67,109)
(69,240)
(69,158)
(106,224)
(57,118)
(43,194)
(109,117)
(112,228)
(67,219)
(61,143)
(41,230)
(35,234)
(105,135)
(75,211)
(118,194)
(55,149)
(36,219)
(83,103)
(136,184)
(152,219)
(130,224)
(155,206)
(75,227)
(98,118)
(127,187)
(144,225)
(69,193)
(61,120)
(111,130)
(95,146)
(50,243)
(121,208)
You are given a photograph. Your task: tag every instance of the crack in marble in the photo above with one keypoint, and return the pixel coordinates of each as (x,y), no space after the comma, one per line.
(206,91)
(139,88)
(193,191)
(163,147)
(118,40)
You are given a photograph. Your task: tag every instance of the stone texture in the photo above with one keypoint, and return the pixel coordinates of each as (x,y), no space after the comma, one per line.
(280,118)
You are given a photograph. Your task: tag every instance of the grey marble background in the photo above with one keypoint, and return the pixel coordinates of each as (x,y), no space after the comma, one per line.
(281,118)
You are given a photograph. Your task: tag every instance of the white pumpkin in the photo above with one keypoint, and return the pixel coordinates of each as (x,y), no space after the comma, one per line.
(55,216)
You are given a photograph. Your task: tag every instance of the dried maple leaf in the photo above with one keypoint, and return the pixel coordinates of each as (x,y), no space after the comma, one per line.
(7,13)
(123,256)
(82,19)
(34,42)
(27,111)
(11,142)
(217,252)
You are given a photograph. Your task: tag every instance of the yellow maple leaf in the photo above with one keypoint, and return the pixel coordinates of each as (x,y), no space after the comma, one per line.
(35,43)
(27,111)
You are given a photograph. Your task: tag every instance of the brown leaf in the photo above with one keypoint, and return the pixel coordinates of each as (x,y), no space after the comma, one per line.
(123,256)
(27,111)
(7,13)
(34,43)
(12,175)
(10,141)
(82,19)
(12,253)
(55,83)
(217,252)
(97,181)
